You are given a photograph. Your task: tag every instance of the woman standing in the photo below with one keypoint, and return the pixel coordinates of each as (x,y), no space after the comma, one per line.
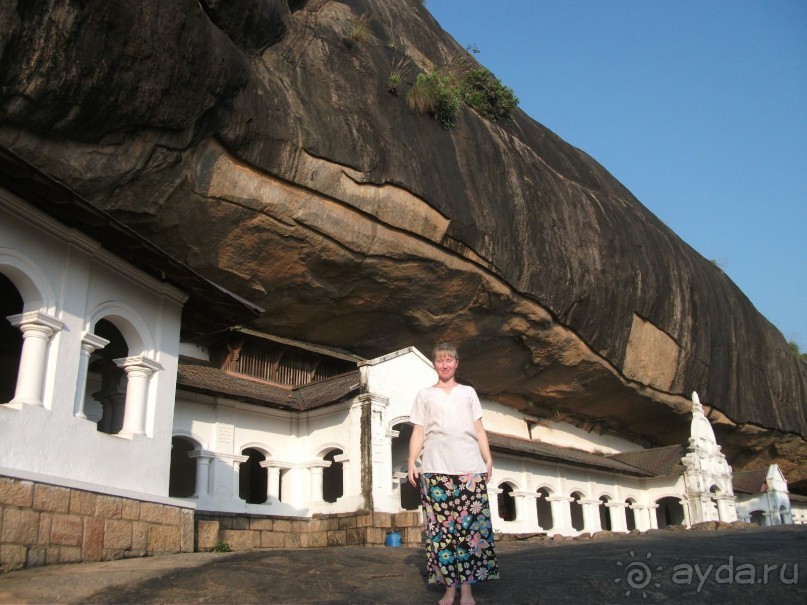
(456,465)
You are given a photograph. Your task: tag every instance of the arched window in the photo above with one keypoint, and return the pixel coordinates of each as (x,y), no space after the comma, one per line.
(716,491)
(106,382)
(669,512)
(758,517)
(507,503)
(11,303)
(578,521)
(630,514)
(410,496)
(605,514)
(333,481)
(544,509)
(182,478)
(252,477)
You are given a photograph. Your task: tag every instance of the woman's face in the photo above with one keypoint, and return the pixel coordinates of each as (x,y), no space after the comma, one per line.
(446,366)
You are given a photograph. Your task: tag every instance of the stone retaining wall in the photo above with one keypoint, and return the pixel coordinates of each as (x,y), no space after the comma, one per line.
(42,524)
(243,532)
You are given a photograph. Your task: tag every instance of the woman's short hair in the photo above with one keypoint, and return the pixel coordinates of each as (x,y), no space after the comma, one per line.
(445,348)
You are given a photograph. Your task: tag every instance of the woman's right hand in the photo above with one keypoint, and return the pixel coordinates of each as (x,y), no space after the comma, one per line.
(413,473)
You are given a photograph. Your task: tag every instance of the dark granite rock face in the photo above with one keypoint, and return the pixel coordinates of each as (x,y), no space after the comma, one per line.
(258,142)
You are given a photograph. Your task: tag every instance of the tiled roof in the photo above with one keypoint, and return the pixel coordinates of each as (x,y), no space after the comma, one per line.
(198,376)
(658,461)
(749,482)
(556,453)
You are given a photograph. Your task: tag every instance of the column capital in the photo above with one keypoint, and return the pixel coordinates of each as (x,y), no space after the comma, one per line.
(202,455)
(90,342)
(138,362)
(35,319)
(274,464)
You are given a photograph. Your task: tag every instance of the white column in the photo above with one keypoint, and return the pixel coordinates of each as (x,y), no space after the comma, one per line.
(561,513)
(526,510)
(726,510)
(202,473)
(652,515)
(316,469)
(273,484)
(89,343)
(591,515)
(493,501)
(138,371)
(36,328)
(616,510)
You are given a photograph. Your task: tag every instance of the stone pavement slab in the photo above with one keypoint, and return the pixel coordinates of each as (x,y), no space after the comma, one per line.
(729,566)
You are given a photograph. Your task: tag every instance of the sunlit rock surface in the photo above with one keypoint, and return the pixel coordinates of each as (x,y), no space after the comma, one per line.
(258,142)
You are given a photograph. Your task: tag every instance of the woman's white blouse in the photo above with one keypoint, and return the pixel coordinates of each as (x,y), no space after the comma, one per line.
(451,445)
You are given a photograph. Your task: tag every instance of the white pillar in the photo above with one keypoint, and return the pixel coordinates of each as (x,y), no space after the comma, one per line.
(36,328)
(726,510)
(591,515)
(202,473)
(652,515)
(493,501)
(316,469)
(619,521)
(89,343)
(138,371)
(347,484)
(561,513)
(272,481)
(526,510)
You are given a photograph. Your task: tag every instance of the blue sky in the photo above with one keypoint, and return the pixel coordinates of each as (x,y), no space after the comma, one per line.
(698,107)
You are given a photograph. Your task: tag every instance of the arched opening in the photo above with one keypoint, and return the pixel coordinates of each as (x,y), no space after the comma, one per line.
(544,507)
(11,303)
(182,475)
(716,512)
(669,512)
(630,514)
(758,517)
(578,521)
(252,477)
(333,480)
(410,496)
(507,503)
(605,513)
(106,381)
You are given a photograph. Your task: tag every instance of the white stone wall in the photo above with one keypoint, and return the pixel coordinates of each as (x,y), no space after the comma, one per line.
(774,503)
(68,282)
(293,443)
(627,496)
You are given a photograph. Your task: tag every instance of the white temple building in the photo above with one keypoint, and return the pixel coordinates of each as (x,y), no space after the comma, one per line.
(137,418)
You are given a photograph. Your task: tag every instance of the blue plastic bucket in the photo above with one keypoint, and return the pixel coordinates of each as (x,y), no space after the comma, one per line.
(393,539)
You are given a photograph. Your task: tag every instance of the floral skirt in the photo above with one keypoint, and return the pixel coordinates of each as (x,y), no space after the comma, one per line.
(459,535)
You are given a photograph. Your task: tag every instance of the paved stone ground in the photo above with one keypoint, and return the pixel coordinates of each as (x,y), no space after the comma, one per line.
(765,565)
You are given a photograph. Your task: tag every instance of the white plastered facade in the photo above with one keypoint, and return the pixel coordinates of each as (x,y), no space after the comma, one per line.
(67,283)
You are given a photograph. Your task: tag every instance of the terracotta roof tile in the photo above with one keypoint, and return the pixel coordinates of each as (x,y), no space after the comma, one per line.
(556,453)
(199,376)
(658,461)
(749,482)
